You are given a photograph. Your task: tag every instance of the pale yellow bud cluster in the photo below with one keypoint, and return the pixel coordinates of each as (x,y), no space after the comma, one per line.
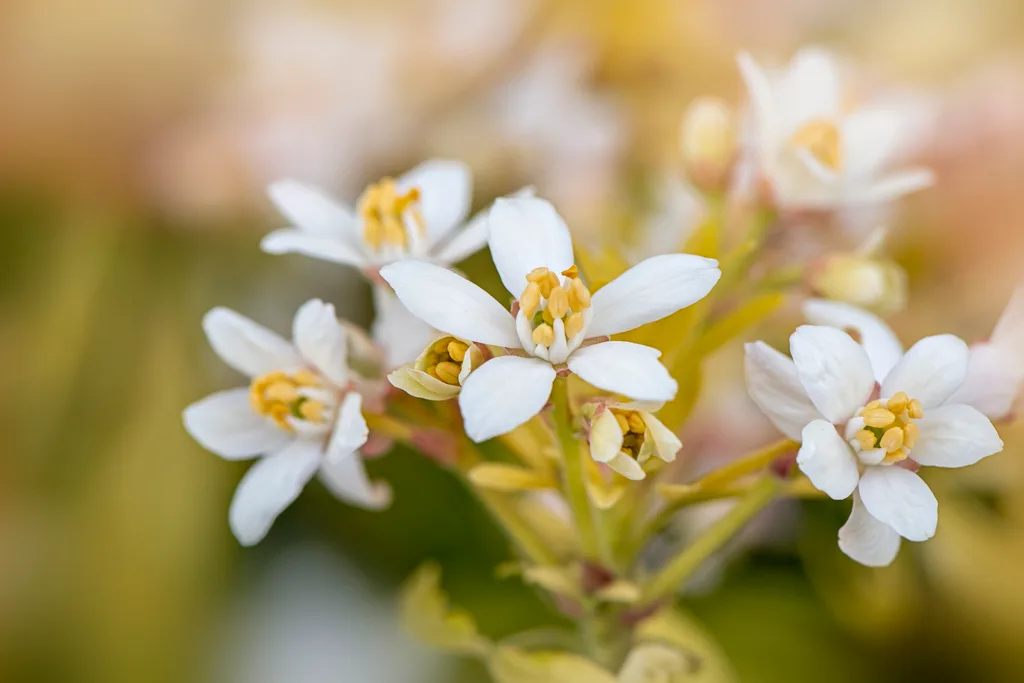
(862,280)
(444,360)
(548,299)
(383,211)
(276,395)
(708,141)
(633,427)
(821,138)
(888,425)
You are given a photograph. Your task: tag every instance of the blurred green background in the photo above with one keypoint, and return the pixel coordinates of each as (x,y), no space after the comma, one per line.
(135,143)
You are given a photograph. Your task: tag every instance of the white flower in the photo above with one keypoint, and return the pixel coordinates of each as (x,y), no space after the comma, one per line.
(555,315)
(625,435)
(853,445)
(813,151)
(301,412)
(417,215)
(996,366)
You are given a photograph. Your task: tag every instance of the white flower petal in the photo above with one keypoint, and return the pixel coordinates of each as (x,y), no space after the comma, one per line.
(396,330)
(866,540)
(827,460)
(322,340)
(625,368)
(759,90)
(225,424)
(666,443)
(605,437)
(879,341)
(270,486)
(312,211)
(833,369)
(421,385)
(773,385)
(246,346)
(346,478)
(930,371)
(288,241)
(451,303)
(870,135)
(446,191)
(993,380)
(810,88)
(527,233)
(651,290)
(627,467)
(350,430)
(901,499)
(955,436)
(503,393)
(471,238)
(895,185)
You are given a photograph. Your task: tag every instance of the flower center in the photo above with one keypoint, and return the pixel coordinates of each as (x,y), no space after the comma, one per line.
(888,425)
(546,299)
(384,212)
(279,396)
(633,427)
(444,360)
(821,138)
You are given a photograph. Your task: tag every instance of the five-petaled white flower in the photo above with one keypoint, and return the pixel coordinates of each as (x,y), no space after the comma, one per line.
(555,315)
(853,443)
(301,412)
(813,151)
(624,436)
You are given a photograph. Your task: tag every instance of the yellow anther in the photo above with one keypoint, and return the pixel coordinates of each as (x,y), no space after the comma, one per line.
(530,299)
(821,138)
(579,296)
(892,440)
(441,345)
(558,302)
(306,378)
(573,325)
(878,417)
(571,272)
(537,275)
(448,372)
(312,411)
(282,391)
(544,279)
(898,403)
(544,335)
(895,456)
(872,406)
(457,350)
(914,410)
(384,210)
(636,423)
(866,439)
(623,422)
(910,434)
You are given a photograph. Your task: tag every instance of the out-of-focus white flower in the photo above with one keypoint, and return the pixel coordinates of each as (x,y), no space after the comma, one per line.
(626,435)
(708,142)
(301,412)
(853,445)
(555,315)
(814,152)
(863,277)
(441,370)
(415,216)
(995,370)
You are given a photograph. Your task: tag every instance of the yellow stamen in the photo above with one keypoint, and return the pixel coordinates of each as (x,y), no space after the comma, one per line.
(623,422)
(579,296)
(448,372)
(866,439)
(892,440)
(571,272)
(821,138)
(544,335)
(276,395)
(558,302)
(910,434)
(312,411)
(530,299)
(914,410)
(384,212)
(573,325)
(281,391)
(873,405)
(898,403)
(441,345)
(636,423)
(878,417)
(457,350)
(895,456)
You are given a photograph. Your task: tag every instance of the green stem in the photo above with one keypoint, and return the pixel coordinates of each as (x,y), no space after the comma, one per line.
(516,528)
(747,464)
(665,583)
(575,472)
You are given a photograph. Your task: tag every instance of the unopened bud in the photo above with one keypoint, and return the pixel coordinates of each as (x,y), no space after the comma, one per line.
(865,281)
(708,141)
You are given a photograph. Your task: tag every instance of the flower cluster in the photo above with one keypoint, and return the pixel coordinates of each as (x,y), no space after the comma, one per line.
(581,374)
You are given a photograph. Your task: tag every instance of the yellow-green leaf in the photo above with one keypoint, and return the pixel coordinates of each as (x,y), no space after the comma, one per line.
(498,476)
(428,617)
(738,321)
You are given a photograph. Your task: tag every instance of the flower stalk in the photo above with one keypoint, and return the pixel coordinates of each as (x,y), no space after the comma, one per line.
(574,470)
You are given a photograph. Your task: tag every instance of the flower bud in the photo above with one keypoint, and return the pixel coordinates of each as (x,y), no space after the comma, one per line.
(708,142)
(440,370)
(866,281)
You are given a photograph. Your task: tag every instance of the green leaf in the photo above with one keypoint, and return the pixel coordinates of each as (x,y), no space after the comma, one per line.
(428,617)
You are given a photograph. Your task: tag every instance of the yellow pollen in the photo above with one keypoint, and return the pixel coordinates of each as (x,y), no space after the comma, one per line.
(914,410)
(579,296)
(898,402)
(571,272)
(544,335)
(895,456)
(573,325)
(892,439)
(530,299)
(623,422)
(443,360)
(276,395)
(384,212)
(558,302)
(866,439)
(636,423)
(821,138)
(633,428)
(878,417)
(910,434)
